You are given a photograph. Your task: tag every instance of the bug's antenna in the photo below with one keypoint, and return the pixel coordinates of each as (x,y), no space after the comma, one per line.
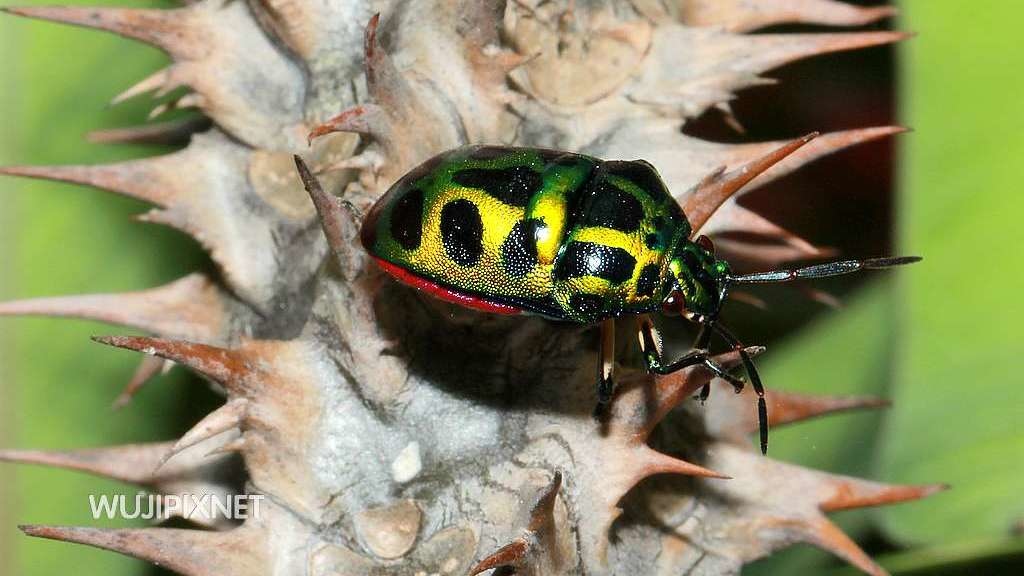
(822,270)
(755,381)
(816,271)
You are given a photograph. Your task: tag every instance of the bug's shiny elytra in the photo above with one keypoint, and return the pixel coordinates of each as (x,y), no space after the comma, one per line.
(563,235)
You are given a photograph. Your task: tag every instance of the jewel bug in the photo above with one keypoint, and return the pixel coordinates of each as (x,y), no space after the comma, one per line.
(572,238)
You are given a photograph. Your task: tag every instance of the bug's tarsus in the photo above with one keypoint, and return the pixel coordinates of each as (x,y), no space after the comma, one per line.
(755,382)
(737,383)
(605,391)
(691,358)
(715,368)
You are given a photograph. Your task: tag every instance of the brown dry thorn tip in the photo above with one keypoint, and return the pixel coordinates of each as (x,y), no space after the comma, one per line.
(191,307)
(658,463)
(852,493)
(543,511)
(323,129)
(183,551)
(229,368)
(229,416)
(309,182)
(329,209)
(511,554)
(382,79)
(147,369)
(517,553)
(129,463)
(170,133)
(791,407)
(370,39)
(716,188)
(361,119)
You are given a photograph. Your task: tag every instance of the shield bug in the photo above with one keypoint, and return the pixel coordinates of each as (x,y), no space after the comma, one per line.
(572,238)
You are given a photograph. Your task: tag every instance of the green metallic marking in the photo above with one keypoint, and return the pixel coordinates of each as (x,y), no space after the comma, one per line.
(551,206)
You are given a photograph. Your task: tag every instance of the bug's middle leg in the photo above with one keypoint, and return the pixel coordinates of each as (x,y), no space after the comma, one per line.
(650,345)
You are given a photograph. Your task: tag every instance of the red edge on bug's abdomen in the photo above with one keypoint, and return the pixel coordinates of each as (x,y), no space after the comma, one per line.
(443,293)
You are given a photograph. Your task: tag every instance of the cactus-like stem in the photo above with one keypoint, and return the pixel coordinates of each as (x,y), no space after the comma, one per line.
(392,434)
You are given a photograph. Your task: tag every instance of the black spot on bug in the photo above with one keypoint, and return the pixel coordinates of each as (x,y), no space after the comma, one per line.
(641,173)
(407,220)
(513,186)
(648,280)
(653,241)
(462,232)
(519,250)
(586,304)
(658,222)
(611,207)
(588,259)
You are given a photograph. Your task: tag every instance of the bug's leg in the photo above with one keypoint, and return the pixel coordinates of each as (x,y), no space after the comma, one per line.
(755,381)
(705,391)
(606,366)
(716,369)
(650,345)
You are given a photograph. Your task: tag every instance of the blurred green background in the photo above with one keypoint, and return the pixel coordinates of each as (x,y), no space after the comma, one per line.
(938,339)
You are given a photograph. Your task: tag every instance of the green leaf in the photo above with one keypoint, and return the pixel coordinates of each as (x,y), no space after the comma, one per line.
(55,385)
(991,556)
(958,414)
(847,352)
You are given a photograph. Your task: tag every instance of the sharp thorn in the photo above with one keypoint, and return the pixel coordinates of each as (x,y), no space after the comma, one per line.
(717,188)
(227,367)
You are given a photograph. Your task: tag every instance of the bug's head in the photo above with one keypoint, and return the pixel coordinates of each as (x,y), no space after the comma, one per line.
(699,280)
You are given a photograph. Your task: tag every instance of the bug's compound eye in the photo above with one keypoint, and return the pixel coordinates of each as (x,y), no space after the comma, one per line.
(674,304)
(706,243)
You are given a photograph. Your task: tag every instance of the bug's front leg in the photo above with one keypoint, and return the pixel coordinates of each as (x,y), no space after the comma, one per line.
(605,366)
(650,345)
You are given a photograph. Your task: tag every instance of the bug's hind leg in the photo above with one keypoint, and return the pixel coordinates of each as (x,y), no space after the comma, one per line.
(605,367)
(650,345)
